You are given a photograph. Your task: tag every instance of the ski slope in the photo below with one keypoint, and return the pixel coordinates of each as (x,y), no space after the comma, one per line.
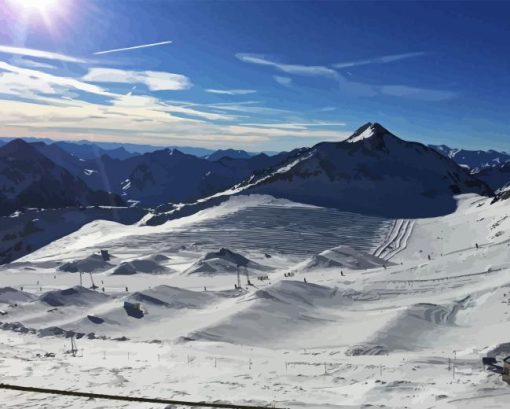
(408,333)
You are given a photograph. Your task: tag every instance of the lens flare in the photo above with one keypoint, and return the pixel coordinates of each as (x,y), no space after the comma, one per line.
(30,11)
(35,5)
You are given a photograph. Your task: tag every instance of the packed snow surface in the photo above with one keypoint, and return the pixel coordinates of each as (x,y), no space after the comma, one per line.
(349,312)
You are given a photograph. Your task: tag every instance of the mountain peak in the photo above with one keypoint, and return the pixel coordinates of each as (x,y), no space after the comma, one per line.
(371,130)
(21,149)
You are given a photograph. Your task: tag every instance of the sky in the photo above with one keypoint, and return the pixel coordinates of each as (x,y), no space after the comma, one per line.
(256,75)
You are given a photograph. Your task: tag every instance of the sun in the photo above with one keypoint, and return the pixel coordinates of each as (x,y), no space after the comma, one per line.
(32,10)
(35,5)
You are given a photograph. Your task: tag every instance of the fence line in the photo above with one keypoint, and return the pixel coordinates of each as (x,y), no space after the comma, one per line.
(129,398)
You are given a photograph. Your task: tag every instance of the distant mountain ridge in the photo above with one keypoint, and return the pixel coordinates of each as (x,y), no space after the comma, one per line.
(372,172)
(228,153)
(159,177)
(28,178)
(473,159)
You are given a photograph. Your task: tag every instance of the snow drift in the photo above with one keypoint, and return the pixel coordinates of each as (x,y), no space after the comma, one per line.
(224,261)
(345,256)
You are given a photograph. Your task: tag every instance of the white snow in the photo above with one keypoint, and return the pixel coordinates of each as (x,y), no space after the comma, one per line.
(366,134)
(410,334)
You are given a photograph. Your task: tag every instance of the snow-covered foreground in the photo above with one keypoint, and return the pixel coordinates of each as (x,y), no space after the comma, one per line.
(320,331)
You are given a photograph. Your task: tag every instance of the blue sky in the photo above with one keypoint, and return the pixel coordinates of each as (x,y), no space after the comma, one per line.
(254,75)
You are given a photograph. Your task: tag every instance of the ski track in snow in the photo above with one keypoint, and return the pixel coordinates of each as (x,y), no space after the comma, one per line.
(397,239)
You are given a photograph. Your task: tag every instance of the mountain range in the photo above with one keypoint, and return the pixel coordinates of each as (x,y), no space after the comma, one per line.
(30,179)
(372,172)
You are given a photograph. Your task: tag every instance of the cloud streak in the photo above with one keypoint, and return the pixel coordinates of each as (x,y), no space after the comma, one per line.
(134,47)
(379,60)
(47,55)
(296,69)
(154,80)
(348,86)
(231,91)
(284,81)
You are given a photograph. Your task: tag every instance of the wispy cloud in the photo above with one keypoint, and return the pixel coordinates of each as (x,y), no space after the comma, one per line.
(349,86)
(296,125)
(296,69)
(231,91)
(379,60)
(285,81)
(154,80)
(423,94)
(134,47)
(51,105)
(47,55)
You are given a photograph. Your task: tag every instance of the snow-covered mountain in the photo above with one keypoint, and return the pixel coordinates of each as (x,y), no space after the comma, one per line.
(92,151)
(30,179)
(229,153)
(496,177)
(473,159)
(372,172)
(167,175)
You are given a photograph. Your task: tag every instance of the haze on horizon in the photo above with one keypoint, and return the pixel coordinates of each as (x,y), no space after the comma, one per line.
(229,74)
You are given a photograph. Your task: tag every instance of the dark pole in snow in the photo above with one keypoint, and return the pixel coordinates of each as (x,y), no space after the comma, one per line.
(129,398)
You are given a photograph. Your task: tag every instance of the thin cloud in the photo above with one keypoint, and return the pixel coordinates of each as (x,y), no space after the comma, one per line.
(154,80)
(423,94)
(379,60)
(355,87)
(231,91)
(47,55)
(296,69)
(135,47)
(26,62)
(285,81)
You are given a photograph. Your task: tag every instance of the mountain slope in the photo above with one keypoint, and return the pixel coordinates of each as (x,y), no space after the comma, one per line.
(30,179)
(496,177)
(169,175)
(374,172)
(92,151)
(473,159)
(229,153)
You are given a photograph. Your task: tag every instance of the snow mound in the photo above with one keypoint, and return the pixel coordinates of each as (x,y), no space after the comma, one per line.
(223,261)
(345,256)
(275,315)
(366,349)
(76,296)
(94,262)
(173,297)
(149,265)
(9,295)
(418,326)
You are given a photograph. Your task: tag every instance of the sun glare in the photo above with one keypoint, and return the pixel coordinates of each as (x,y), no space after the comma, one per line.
(40,5)
(46,10)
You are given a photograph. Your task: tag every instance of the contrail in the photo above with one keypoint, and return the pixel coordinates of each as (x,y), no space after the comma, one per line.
(135,47)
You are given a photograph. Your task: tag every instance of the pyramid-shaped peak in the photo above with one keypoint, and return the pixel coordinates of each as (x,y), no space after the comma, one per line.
(371,130)
(18,148)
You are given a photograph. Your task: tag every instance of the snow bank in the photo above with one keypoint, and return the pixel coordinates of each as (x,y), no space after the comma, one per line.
(148,265)
(9,295)
(73,296)
(224,261)
(94,262)
(276,314)
(345,256)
